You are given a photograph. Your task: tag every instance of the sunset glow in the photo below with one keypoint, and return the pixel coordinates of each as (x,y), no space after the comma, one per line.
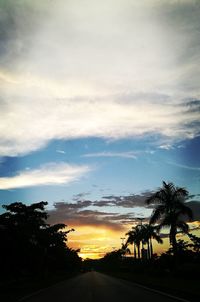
(94,242)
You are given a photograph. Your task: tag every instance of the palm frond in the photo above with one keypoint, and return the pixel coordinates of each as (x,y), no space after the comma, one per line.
(181,192)
(168,220)
(157,214)
(183,226)
(155,197)
(157,238)
(186,211)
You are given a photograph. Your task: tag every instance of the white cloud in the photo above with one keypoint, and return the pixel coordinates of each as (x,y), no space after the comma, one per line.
(60,151)
(29,125)
(112,154)
(109,69)
(48,174)
(166,147)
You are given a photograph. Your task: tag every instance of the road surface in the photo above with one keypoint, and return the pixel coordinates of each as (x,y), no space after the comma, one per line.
(96,287)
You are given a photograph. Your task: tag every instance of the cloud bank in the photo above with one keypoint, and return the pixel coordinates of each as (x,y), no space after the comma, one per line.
(119,212)
(109,69)
(29,125)
(81,214)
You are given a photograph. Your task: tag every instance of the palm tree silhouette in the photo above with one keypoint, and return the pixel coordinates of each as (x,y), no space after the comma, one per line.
(135,238)
(150,232)
(124,250)
(170,210)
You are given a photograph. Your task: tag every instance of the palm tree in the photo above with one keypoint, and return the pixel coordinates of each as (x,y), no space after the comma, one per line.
(124,250)
(150,232)
(135,238)
(170,210)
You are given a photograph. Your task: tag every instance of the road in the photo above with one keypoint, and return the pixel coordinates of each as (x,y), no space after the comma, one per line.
(96,287)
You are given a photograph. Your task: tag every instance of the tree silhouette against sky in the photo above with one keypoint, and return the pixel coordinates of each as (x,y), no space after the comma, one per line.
(171,210)
(30,246)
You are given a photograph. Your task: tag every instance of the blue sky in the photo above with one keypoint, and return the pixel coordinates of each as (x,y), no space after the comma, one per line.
(120,167)
(99,102)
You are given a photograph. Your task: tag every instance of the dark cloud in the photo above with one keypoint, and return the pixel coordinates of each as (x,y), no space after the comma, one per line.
(86,212)
(19,21)
(193,196)
(71,206)
(80,196)
(79,214)
(195,207)
(183,16)
(181,19)
(128,201)
(193,105)
(75,215)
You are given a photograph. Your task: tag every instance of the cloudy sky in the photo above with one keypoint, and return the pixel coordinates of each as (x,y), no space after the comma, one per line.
(99,102)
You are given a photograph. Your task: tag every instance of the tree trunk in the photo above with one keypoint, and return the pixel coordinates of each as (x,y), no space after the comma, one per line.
(173,241)
(135,253)
(148,249)
(151,247)
(138,246)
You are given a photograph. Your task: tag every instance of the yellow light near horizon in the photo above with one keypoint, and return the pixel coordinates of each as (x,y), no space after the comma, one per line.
(93,256)
(95,241)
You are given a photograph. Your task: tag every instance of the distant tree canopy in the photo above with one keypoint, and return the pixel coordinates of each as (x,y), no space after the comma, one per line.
(30,246)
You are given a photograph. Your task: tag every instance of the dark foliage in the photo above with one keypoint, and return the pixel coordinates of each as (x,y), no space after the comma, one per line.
(195,245)
(29,246)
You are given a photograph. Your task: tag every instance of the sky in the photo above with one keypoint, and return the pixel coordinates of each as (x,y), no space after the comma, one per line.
(99,103)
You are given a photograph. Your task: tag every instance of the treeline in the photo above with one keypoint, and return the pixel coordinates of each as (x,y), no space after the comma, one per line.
(136,260)
(30,247)
(187,256)
(170,212)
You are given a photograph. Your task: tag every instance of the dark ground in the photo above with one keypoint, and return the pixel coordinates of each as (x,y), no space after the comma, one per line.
(97,287)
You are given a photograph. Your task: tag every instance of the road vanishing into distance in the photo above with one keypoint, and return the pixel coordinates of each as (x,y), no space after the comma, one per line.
(96,287)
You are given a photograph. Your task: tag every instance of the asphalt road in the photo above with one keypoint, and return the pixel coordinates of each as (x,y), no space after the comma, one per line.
(96,287)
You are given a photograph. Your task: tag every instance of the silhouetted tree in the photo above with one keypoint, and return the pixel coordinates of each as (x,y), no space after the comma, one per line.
(150,232)
(29,245)
(143,234)
(135,237)
(112,259)
(124,250)
(170,210)
(21,226)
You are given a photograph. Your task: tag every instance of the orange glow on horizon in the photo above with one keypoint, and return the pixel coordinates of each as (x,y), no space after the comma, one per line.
(95,242)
